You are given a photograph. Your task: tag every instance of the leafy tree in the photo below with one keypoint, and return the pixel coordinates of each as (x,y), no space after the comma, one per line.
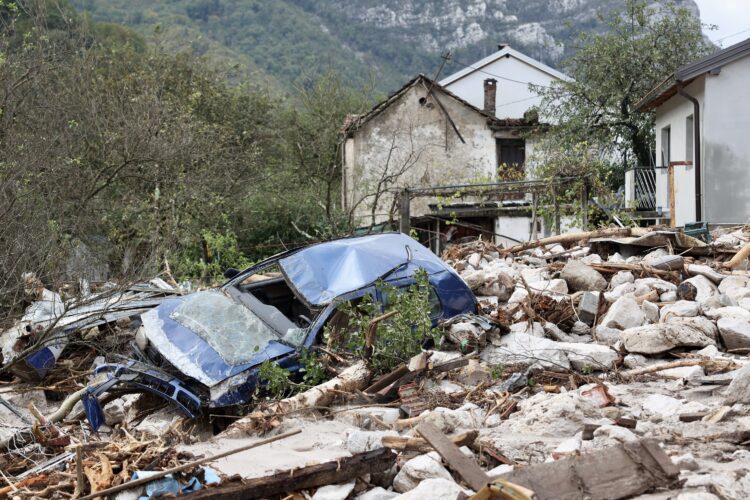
(611,71)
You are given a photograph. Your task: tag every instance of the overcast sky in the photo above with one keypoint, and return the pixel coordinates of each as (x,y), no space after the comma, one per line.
(731,16)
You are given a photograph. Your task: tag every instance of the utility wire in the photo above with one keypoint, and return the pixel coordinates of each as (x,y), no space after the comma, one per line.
(733,34)
(497,76)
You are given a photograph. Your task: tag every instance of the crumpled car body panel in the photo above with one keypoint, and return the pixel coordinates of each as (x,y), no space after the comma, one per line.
(323,275)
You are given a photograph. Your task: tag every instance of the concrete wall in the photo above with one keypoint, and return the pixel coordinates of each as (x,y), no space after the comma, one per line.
(513,99)
(412,144)
(674,114)
(726,144)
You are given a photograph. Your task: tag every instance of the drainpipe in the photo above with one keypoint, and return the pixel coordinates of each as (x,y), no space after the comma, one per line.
(697,151)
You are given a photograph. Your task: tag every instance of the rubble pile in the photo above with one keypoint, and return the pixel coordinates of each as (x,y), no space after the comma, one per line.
(601,365)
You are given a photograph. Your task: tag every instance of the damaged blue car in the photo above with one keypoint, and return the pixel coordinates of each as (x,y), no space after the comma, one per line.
(204,350)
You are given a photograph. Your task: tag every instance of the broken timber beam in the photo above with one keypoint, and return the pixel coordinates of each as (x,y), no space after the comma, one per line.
(569,238)
(465,466)
(615,472)
(312,476)
(418,444)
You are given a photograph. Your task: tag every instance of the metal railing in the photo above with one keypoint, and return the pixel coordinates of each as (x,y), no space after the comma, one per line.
(644,187)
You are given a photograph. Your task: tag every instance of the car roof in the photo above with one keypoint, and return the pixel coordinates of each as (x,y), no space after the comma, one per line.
(320,273)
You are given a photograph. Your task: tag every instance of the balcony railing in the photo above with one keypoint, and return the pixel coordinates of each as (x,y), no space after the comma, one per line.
(643,192)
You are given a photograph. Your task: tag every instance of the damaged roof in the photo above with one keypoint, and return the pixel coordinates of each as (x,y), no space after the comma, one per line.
(354,122)
(686,74)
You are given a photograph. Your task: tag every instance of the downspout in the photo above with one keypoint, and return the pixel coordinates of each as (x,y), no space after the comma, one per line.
(697,149)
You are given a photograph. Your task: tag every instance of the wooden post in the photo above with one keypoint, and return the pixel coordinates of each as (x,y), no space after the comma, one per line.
(534,235)
(585,206)
(404,211)
(556,203)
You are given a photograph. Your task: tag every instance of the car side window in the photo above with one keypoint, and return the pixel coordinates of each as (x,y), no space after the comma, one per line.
(436,307)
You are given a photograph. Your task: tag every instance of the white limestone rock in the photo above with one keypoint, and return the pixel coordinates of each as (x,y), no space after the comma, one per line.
(739,389)
(659,404)
(418,469)
(435,489)
(624,313)
(704,287)
(585,357)
(676,332)
(520,349)
(735,332)
(681,308)
(580,277)
(335,491)
(619,291)
(621,277)
(651,311)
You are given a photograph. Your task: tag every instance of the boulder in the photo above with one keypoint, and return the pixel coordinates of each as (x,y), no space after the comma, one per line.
(559,415)
(735,286)
(335,491)
(687,291)
(556,286)
(619,291)
(659,404)
(521,349)
(587,357)
(621,277)
(377,493)
(588,307)
(418,469)
(681,308)
(435,489)
(645,285)
(704,287)
(676,332)
(735,332)
(728,312)
(624,313)
(739,387)
(581,277)
(607,336)
(651,311)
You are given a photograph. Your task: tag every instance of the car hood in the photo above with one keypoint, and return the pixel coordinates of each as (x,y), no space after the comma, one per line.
(322,272)
(189,352)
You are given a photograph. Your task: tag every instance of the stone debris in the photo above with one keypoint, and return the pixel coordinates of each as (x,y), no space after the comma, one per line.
(574,350)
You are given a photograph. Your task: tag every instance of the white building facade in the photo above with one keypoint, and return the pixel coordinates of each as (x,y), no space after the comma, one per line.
(702,129)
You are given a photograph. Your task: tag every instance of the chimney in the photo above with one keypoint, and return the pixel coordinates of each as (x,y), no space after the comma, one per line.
(490,93)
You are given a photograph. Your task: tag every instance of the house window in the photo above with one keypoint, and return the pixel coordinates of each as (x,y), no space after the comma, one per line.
(511,155)
(689,138)
(665,146)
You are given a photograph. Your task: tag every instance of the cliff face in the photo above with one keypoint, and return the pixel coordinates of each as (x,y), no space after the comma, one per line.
(384,41)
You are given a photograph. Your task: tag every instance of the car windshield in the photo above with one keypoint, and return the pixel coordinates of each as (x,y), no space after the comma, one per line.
(231,328)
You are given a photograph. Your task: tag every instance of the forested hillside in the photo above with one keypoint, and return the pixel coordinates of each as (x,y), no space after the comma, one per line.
(383,41)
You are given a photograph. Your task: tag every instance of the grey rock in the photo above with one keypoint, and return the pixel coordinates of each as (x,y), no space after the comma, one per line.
(520,349)
(621,277)
(735,332)
(581,277)
(624,313)
(682,308)
(677,332)
(739,388)
(588,307)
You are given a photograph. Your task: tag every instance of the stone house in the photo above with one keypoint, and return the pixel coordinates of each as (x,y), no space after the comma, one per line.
(426,135)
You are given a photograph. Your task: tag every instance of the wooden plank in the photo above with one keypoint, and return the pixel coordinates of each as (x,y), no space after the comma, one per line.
(312,476)
(615,472)
(466,467)
(413,443)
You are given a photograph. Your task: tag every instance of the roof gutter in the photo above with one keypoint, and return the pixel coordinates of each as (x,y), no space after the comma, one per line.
(697,146)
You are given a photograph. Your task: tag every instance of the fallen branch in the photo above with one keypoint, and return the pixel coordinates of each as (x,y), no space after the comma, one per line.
(350,380)
(569,238)
(706,363)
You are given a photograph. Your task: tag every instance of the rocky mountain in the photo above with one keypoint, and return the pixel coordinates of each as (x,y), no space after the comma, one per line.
(379,41)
